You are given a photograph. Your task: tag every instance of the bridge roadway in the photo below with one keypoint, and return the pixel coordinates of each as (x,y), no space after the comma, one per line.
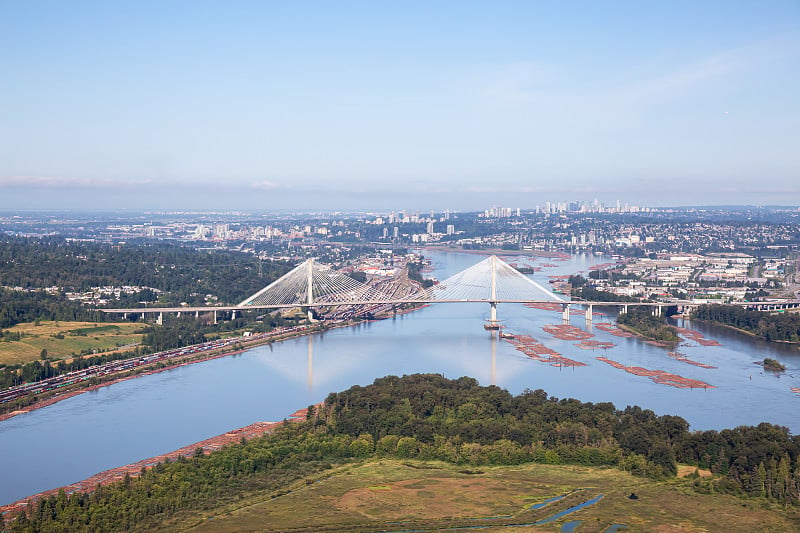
(679,303)
(565,306)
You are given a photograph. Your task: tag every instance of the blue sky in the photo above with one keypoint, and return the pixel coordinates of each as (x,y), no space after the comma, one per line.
(393,105)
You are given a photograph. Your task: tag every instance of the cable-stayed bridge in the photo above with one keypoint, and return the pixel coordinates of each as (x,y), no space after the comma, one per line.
(314,285)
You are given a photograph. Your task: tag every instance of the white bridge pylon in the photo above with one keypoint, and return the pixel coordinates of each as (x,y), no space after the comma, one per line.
(313,284)
(491,280)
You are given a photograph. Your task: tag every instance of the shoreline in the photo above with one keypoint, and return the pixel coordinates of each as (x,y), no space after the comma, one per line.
(256,429)
(496,251)
(145,370)
(112,475)
(244,345)
(748,333)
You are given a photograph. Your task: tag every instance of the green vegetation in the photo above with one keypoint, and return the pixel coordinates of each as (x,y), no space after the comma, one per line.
(176,333)
(17,307)
(415,274)
(28,342)
(641,321)
(584,289)
(430,418)
(773,365)
(168,274)
(778,327)
(182,274)
(390,494)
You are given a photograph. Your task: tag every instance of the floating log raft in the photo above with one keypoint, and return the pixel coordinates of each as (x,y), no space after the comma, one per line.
(697,337)
(659,376)
(539,352)
(683,359)
(567,332)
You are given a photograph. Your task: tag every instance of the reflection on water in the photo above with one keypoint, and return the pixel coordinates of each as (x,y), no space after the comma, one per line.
(571,510)
(154,414)
(494,335)
(310,363)
(342,365)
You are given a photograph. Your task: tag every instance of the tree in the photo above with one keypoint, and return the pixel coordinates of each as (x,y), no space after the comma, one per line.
(407,447)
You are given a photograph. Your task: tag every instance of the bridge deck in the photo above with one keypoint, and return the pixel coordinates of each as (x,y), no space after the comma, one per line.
(391,302)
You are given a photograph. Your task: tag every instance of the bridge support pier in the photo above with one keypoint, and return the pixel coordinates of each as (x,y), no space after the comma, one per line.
(657,310)
(197,314)
(160,319)
(310,288)
(625,309)
(215,316)
(493,312)
(565,312)
(233,314)
(589,313)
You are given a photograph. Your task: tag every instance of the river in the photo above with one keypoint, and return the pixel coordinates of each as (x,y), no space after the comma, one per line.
(144,417)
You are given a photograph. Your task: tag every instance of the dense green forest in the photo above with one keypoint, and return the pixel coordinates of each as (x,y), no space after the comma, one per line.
(772,327)
(171,273)
(17,307)
(644,322)
(430,417)
(183,273)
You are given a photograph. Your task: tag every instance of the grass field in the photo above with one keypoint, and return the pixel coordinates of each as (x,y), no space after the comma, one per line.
(390,495)
(77,336)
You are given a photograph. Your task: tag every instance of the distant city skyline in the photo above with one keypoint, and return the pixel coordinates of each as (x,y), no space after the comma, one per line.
(361,105)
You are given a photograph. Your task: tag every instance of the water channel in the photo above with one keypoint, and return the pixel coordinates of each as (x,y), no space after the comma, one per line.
(123,423)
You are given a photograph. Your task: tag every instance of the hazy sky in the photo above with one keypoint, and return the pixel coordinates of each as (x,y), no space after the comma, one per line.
(434,104)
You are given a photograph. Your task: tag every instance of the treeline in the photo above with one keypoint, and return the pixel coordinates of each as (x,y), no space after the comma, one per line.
(183,273)
(177,333)
(430,417)
(415,274)
(172,489)
(11,375)
(180,333)
(642,320)
(584,289)
(772,327)
(18,306)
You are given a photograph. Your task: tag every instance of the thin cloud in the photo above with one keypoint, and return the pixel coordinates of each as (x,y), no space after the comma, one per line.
(53,182)
(503,189)
(267,185)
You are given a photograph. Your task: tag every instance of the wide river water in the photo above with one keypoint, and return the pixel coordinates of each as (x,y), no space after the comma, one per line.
(144,417)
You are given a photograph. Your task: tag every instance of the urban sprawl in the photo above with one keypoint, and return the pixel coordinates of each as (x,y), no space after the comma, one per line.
(703,254)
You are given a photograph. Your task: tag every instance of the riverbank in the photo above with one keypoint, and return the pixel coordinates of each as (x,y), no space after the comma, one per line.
(257,429)
(559,256)
(744,331)
(120,424)
(241,345)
